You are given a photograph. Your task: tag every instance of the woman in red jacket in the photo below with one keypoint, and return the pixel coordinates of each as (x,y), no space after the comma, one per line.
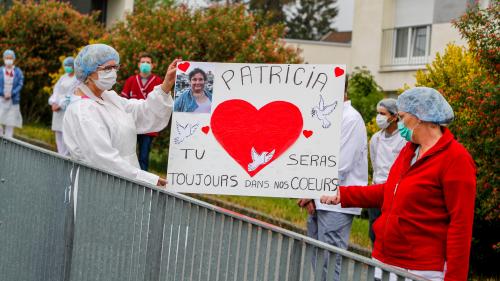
(428,200)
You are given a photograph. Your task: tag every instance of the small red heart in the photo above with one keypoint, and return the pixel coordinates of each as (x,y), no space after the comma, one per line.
(338,71)
(307,133)
(205,129)
(183,66)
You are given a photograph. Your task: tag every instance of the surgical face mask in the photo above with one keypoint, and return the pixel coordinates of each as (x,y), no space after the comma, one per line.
(107,79)
(8,62)
(145,68)
(68,69)
(382,122)
(406,133)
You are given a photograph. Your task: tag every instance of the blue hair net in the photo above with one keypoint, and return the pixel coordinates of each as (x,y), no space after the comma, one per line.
(427,105)
(92,56)
(389,104)
(69,61)
(9,52)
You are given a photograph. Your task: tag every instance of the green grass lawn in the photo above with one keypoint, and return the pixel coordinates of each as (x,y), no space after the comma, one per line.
(288,210)
(282,208)
(37,132)
(359,233)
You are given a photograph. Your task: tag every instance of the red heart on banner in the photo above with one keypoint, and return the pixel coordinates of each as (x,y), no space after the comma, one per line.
(307,133)
(183,66)
(256,137)
(338,71)
(205,129)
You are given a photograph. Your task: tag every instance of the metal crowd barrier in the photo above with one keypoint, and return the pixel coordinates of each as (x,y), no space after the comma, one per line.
(63,220)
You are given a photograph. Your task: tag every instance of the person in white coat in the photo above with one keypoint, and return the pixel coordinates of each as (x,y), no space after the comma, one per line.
(385,146)
(332,223)
(101,128)
(11,84)
(60,99)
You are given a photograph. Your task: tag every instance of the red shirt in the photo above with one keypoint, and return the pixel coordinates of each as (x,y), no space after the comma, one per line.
(135,89)
(427,209)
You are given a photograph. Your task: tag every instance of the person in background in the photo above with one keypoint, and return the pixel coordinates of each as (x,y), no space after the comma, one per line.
(138,87)
(385,146)
(11,83)
(60,99)
(428,199)
(332,224)
(101,128)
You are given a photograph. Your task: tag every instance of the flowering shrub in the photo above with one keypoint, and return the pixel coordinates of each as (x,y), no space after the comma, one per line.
(481,28)
(40,33)
(220,33)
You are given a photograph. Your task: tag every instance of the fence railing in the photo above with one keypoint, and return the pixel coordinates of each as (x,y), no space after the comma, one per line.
(63,220)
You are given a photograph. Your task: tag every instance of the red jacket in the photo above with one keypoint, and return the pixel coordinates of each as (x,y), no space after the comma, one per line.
(134,89)
(427,209)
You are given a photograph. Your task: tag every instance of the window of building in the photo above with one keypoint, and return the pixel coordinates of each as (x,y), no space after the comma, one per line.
(410,45)
(412,42)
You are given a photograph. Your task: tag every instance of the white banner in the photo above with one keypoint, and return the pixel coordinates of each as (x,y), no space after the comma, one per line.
(256,129)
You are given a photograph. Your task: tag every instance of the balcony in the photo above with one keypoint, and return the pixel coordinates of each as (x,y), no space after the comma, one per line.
(405,48)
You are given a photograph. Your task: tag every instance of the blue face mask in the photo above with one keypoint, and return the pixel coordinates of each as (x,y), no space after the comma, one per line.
(145,68)
(404,131)
(68,69)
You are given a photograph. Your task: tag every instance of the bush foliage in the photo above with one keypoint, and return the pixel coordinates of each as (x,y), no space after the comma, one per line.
(216,34)
(481,28)
(364,93)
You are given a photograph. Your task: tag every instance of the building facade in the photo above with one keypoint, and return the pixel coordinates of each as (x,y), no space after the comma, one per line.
(392,38)
(111,10)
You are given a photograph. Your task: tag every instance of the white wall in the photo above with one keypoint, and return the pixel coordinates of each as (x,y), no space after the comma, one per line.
(412,13)
(117,9)
(443,34)
(394,80)
(316,52)
(367,34)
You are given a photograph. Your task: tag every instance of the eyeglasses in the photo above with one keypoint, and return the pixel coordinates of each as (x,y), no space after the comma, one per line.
(108,68)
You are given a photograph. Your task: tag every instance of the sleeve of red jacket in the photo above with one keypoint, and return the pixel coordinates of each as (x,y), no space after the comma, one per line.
(362,196)
(159,80)
(127,88)
(459,187)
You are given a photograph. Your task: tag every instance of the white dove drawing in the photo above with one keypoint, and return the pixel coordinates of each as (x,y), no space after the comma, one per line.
(259,159)
(183,132)
(322,111)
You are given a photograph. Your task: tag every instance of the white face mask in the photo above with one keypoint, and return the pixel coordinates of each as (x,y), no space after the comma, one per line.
(8,62)
(106,80)
(382,121)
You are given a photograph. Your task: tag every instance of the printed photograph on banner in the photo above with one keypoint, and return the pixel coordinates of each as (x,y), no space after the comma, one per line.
(266,129)
(194,87)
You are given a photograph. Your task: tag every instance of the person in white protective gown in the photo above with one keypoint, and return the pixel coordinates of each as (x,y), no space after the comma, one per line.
(11,84)
(59,100)
(385,146)
(101,128)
